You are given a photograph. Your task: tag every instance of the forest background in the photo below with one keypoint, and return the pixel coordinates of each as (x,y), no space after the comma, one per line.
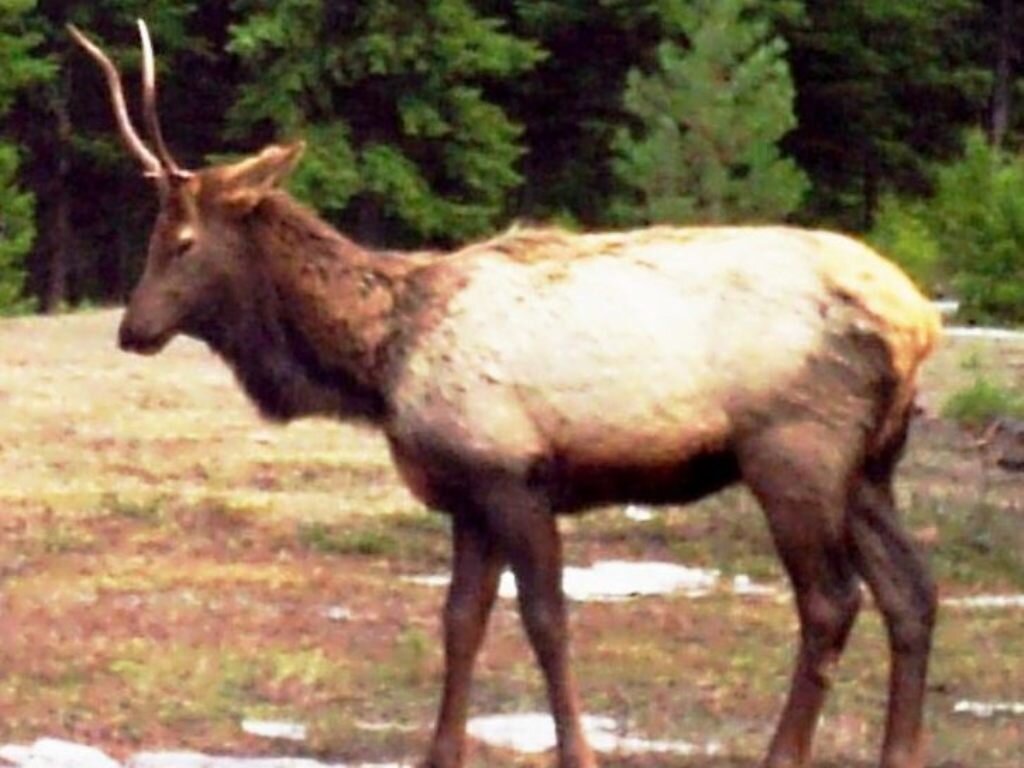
(433,122)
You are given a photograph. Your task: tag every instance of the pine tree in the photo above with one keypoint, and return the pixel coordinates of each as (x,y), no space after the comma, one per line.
(884,89)
(19,67)
(710,117)
(404,144)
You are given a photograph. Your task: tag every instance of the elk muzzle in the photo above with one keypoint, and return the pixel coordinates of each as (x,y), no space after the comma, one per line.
(133,338)
(148,324)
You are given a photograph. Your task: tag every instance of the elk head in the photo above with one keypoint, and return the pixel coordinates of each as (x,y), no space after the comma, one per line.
(197,259)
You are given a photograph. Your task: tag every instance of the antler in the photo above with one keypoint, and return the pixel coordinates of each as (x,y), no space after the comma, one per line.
(124,123)
(152,117)
(159,165)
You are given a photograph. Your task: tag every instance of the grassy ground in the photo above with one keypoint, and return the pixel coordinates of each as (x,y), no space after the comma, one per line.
(169,566)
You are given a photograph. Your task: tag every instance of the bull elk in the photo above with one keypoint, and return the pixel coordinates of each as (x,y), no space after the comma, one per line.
(541,372)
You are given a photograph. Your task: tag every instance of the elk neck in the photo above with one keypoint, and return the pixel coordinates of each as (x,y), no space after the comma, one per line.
(318,318)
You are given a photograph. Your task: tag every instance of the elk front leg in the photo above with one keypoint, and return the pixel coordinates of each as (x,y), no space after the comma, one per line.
(527,531)
(476,567)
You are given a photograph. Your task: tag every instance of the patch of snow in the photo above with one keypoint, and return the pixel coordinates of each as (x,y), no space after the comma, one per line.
(15,754)
(430,580)
(173,760)
(638,513)
(337,613)
(383,726)
(616,580)
(55,753)
(168,760)
(274,729)
(986,601)
(987,709)
(612,580)
(946,307)
(534,732)
(971,332)
(527,732)
(744,585)
(199,760)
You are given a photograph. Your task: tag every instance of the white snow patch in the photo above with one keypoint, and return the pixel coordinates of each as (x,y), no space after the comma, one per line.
(988,709)
(199,760)
(744,585)
(986,601)
(946,307)
(431,580)
(15,754)
(638,513)
(534,732)
(55,753)
(337,613)
(380,726)
(611,580)
(615,580)
(274,729)
(971,332)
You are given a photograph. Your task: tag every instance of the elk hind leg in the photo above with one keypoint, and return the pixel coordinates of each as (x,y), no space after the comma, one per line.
(800,479)
(906,596)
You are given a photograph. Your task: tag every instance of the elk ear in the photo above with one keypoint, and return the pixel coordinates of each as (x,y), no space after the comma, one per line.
(246,183)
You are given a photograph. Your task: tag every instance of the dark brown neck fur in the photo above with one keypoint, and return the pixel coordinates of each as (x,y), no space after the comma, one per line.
(310,336)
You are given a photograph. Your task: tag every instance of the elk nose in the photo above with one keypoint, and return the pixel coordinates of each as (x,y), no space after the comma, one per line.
(131,338)
(127,339)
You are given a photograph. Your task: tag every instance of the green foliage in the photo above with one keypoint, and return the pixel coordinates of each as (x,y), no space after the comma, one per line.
(17,231)
(885,89)
(902,232)
(711,117)
(969,236)
(19,64)
(978,217)
(982,402)
(328,175)
(20,67)
(392,93)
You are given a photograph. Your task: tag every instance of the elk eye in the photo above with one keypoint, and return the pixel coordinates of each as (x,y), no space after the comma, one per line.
(183,246)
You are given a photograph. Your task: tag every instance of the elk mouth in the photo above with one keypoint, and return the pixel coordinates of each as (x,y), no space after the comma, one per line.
(131,340)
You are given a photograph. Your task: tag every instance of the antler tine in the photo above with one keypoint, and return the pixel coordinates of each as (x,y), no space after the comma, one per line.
(150,113)
(131,139)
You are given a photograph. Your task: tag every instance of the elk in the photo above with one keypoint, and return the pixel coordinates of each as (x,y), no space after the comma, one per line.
(540,373)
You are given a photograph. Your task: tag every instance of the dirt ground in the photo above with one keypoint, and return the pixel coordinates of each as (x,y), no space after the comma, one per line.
(169,566)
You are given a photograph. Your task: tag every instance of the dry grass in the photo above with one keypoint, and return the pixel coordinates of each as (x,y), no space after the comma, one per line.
(168,564)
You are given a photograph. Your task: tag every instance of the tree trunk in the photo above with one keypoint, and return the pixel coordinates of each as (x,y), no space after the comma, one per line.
(1003,85)
(869,189)
(60,241)
(55,295)
(369,228)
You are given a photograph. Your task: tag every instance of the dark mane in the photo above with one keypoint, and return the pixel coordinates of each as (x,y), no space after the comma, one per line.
(278,369)
(259,335)
(279,211)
